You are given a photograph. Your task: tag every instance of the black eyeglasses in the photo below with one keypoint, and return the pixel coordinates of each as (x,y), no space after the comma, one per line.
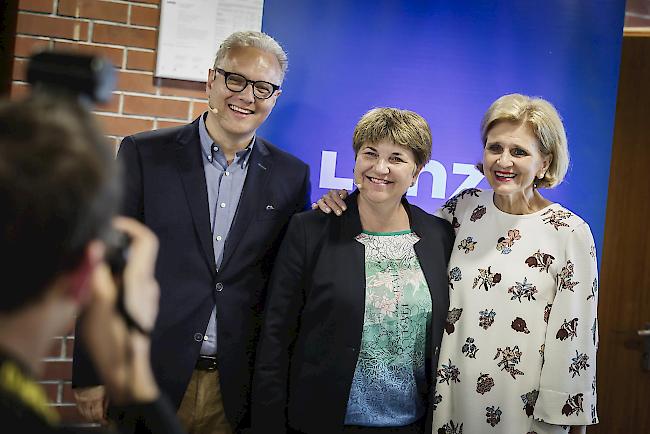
(237,83)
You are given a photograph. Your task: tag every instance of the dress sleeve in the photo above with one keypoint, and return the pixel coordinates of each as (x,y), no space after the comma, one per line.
(567,394)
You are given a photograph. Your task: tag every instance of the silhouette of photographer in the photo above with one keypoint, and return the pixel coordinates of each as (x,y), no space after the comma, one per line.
(59,192)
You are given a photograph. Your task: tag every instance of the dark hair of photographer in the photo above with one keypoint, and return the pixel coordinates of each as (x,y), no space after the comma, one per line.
(58,188)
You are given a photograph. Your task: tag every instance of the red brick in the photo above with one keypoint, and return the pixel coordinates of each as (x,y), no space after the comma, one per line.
(113,54)
(41,25)
(51,389)
(198,107)
(56,350)
(123,126)
(69,347)
(144,16)
(27,45)
(168,124)
(57,370)
(36,5)
(95,9)
(113,106)
(140,60)
(136,82)
(122,35)
(162,107)
(191,89)
(637,21)
(68,414)
(19,72)
(67,396)
(19,90)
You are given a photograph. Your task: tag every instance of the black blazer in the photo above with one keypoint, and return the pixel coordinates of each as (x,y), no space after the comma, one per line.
(314,317)
(166,189)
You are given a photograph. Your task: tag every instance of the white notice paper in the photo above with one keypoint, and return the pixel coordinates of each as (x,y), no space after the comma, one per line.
(191,30)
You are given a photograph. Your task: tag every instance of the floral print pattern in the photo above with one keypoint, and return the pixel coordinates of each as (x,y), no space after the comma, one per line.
(454,276)
(540,260)
(486,319)
(486,279)
(504,244)
(523,289)
(493,415)
(470,348)
(467,245)
(522,315)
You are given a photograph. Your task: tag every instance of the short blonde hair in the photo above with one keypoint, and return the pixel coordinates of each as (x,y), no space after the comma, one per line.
(544,122)
(401,127)
(253,39)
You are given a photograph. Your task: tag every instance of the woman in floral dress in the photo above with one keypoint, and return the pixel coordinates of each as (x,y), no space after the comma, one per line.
(519,350)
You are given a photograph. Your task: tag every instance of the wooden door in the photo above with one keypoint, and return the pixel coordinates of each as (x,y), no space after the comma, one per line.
(624,306)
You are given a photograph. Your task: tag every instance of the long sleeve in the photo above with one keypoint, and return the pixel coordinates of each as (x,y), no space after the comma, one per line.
(567,394)
(129,158)
(283,308)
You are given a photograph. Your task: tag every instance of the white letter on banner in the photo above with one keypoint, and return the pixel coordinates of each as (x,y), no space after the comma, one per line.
(328,178)
(439,183)
(473,176)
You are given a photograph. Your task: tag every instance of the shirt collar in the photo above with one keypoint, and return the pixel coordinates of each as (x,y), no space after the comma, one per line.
(206,144)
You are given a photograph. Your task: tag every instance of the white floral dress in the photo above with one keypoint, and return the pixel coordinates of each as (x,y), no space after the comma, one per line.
(518,354)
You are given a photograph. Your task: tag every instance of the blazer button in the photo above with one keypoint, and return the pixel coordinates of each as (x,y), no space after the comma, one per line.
(198,337)
(218,286)
(436,351)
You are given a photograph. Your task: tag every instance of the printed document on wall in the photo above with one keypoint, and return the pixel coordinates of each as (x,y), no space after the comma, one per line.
(191,30)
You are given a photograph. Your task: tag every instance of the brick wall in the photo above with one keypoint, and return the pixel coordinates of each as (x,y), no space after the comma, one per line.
(126,33)
(637,13)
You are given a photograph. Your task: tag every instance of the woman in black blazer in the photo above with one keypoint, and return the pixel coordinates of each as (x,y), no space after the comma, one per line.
(357,304)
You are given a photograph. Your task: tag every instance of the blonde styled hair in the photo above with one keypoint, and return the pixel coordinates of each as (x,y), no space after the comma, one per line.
(401,127)
(544,122)
(253,39)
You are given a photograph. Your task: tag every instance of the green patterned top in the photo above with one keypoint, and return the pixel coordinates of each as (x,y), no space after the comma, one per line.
(389,384)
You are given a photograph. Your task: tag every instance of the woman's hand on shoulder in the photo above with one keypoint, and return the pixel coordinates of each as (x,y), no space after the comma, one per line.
(333,200)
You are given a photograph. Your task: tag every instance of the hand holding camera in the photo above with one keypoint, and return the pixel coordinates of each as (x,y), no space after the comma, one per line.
(121,352)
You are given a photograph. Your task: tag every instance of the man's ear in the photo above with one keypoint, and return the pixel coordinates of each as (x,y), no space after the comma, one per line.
(208,84)
(77,279)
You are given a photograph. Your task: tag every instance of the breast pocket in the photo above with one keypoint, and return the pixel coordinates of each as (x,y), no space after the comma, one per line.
(273,210)
(269,212)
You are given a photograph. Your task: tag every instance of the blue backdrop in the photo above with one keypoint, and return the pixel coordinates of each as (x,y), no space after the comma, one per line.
(447,60)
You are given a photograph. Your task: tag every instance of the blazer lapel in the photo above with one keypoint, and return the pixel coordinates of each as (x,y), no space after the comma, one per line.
(190,169)
(252,196)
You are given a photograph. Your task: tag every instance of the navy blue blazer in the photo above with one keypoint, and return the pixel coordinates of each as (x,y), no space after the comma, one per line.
(314,318)
(166,190)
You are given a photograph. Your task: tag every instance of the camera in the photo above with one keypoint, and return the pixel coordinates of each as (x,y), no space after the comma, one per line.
(117,251)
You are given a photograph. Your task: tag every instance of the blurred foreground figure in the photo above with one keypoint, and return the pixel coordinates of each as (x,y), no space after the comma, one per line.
(59,189)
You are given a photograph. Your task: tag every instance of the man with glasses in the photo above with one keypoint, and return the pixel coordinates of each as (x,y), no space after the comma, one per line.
(219,198)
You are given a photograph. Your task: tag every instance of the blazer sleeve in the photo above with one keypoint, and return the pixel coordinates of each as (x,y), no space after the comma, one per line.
(129,157)
(83,371)
(567,394)
(284,306)
(305,193)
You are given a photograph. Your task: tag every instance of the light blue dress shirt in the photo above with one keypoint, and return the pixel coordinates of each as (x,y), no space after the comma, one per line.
(225,183)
